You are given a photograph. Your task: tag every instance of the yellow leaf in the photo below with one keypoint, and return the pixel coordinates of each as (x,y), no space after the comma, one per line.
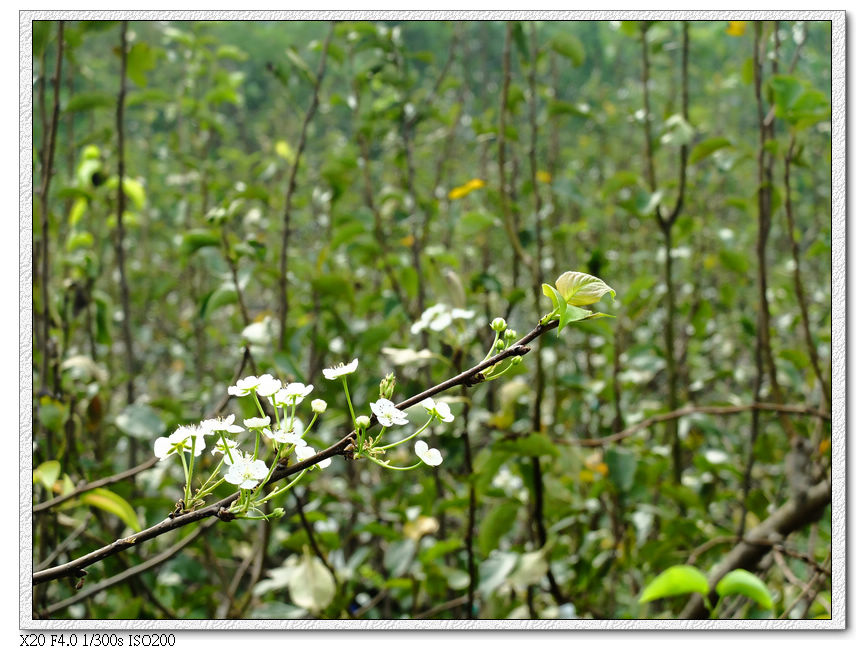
(586,476)
(284,151)
(602,469)
(464,190)
(408,240)
(825,444)
(736,27)
(544,177)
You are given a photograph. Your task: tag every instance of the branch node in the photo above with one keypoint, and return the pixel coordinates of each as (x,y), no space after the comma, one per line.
(224,515)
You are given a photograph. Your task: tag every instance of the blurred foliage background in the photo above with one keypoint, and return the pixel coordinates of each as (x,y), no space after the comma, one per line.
(298,194)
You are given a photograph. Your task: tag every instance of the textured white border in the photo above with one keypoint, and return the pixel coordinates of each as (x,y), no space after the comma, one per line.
(839,247)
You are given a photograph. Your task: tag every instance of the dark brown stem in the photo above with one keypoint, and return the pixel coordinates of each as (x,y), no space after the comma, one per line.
(282,311)
(797,278)
(504,193)
(121,232)
(47,173)
(470,526)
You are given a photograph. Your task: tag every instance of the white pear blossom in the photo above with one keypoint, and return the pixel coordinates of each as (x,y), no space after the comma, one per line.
(439,317)
(256,423)
(246,472)
(306,451)
(222,424)
(243,386)
(428,455)
(440,410)
(292,394)
(228,448)
(340,370)
(267,385)
(294,437)
(185,438)
(388,414)
(318,406)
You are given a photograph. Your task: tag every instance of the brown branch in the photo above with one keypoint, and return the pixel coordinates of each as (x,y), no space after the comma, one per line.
(292,186)
(121,232)
(469,377)
(790,517)
(797,278)
(48,172)
(507,213)
(131,572)
(689,410)
(456,602)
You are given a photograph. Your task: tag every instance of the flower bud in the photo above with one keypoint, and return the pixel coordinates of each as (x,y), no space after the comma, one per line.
(499,324)
(500,345)
(362,422)
(277,513)
(318,406)
(510,335)
(517,361)
(385,388)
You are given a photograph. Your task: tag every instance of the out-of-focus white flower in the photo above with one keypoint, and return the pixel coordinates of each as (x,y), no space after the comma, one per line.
(267,385)
(318,406)
(220,424)
(428,455)
(246,472)
(292,394)
(257,423)
(340,370)
(439,317)
(440,410)
(388,414)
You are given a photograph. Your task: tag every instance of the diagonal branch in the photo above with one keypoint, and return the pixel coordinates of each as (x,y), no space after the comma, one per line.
(469,377)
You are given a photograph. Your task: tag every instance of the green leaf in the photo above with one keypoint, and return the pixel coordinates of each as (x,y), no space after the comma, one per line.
(498,521)
(623,466)
(194,240)
(140,421)
(226,294)
(140,58)
(535,444)
(706,148)
(113,503)
(746,584)
(47,474)
(581,288)
(570,47)
(676,580)
(88,101)
(300,64)
(133,190)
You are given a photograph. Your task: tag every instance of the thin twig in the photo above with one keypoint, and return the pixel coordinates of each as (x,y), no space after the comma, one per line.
(690,410)
(292,186)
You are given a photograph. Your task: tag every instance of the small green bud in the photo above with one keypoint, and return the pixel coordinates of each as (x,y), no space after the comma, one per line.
(277,513)
(499,324)
(362,422)
(500,345)
(510,335)
(517,361)
(385,388)
(318,406)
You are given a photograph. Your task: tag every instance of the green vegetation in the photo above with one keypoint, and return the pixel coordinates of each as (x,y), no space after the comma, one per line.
(215,201)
